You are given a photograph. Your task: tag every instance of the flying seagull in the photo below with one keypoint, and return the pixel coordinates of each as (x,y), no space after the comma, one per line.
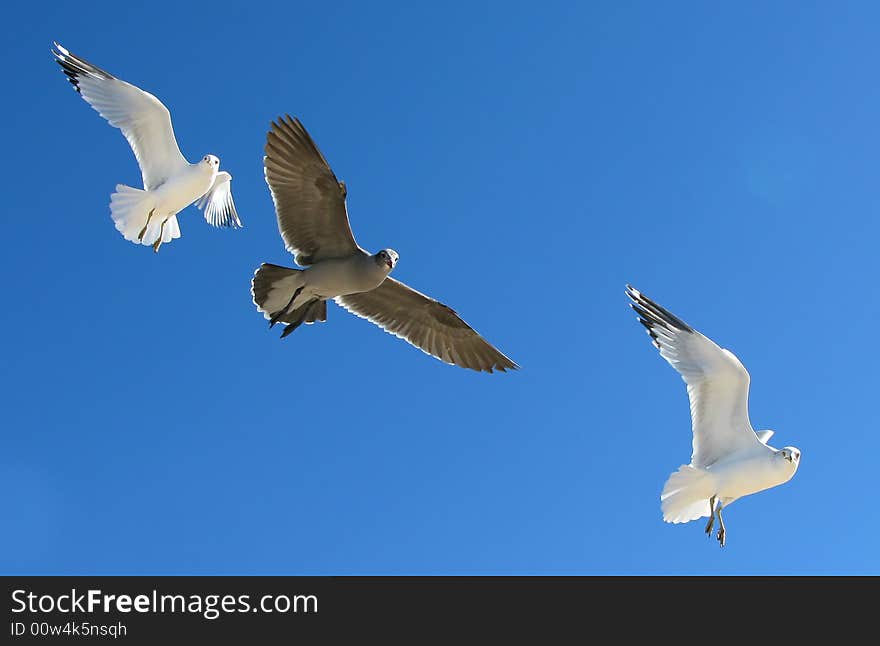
(171,183)
(729,459)
(313,221)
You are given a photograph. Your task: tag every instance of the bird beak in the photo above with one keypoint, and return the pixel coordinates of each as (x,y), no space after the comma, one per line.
(389,263)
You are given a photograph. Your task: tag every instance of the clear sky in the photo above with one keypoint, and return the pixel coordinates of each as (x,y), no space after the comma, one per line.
(526,162)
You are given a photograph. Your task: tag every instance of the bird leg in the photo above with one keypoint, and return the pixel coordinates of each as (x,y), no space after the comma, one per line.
(711,516)
(144,230)
(299,321)
(158,242)
(290,328)
(277,315)
(721,531)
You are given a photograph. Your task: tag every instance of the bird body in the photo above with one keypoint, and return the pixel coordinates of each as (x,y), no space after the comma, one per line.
(729,460)
(334,277)
(749,472)
(185,187)
(288,290)
(687,492)
(150,216)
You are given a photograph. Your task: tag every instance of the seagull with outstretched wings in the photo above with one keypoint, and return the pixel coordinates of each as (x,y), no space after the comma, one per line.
(310,204)
(730,460)
(171,183)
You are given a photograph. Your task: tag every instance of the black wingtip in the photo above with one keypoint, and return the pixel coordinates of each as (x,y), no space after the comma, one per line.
(654,312)
(63,58)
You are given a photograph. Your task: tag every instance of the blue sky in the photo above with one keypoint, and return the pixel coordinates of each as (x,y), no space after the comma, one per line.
(526,162)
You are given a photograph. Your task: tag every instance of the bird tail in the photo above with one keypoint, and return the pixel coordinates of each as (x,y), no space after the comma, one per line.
(130,209)
(272,289)
(686,495)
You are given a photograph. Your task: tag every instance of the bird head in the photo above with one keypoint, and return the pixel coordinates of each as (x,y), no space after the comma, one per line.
(792,454)
(211,161)
(387,258)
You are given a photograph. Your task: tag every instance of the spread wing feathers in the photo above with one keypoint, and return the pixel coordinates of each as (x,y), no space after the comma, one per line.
(217,203)
(717,383)
(427,324)
(144,121)
(309,200)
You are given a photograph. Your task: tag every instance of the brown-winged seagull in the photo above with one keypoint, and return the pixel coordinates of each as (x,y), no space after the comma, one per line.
(310,204)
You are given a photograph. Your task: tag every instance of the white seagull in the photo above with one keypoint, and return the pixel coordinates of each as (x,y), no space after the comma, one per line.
(313,221)
(171,183)
(729,459)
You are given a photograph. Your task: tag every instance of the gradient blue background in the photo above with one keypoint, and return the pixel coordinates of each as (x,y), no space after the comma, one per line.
(526,161)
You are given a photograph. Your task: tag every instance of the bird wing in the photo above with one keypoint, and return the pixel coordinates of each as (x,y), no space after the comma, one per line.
(144,121)
(764,436)
(427,324)
(717,382)
(217,203)
(309,200)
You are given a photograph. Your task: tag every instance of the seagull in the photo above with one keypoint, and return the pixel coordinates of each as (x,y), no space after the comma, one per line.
(171,183)
(310,204)
(730,460)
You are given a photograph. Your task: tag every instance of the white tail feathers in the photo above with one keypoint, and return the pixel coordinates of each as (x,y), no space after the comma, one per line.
(130,208)
(686,495)
(172,229)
